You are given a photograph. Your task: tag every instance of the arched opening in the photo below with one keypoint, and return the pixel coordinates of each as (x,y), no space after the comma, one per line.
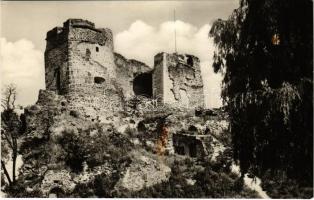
(99,80)
(56,192)
(142,85)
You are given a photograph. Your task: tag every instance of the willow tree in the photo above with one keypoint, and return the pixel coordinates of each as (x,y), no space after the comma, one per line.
(264,51)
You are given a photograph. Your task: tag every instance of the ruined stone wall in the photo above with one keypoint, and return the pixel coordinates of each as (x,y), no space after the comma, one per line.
(90,55)
(56,77)
(189,145)
(92,87)
(126,71)
(96,103)
(158,77)
(80,58)
(85,64)
(177,80)
(80,64)
(56,68)
(80,52)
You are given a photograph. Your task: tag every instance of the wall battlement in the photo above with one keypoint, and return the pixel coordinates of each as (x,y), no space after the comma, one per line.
(79,30)
(79,23)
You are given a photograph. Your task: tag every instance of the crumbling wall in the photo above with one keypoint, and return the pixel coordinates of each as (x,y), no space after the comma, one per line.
(96,103)
(84,56)
(90,55)
(189,145)
(56,67)
(127,70)
(177,79)
(81,65)
(158,77)
(74,51)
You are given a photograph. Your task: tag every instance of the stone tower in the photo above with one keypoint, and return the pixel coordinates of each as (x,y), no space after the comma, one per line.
(80,65)
(78,56)
(177,80)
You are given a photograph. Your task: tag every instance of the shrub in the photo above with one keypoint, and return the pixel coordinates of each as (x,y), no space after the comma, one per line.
(84,190)
(19,191)
(75,149)
(104,184)
(74,113)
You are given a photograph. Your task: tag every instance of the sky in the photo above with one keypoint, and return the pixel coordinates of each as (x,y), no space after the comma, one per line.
(141,30)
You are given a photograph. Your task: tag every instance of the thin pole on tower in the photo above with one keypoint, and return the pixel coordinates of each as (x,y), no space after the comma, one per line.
(175,31)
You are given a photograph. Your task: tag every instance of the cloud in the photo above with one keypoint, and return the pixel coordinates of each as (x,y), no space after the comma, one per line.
(22,65)
(142,41)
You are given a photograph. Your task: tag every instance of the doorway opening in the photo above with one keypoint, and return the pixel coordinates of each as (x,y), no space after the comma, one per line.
(142,85)
(58,80)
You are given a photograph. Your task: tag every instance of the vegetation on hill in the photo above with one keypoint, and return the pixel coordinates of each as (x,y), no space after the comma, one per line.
(70,156)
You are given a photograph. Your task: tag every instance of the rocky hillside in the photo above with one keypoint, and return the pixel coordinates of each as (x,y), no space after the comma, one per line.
(144,151)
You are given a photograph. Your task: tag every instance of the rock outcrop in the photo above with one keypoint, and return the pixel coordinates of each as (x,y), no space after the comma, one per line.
(143,172)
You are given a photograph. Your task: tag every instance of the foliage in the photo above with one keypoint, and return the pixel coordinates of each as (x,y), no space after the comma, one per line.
(278,185)
(101,186)
(93,146)
(208,183)
(75,149)
(223,161)
(11,130)
(104,184)
(19,191)
(83,190)
(99,148)
(264,51)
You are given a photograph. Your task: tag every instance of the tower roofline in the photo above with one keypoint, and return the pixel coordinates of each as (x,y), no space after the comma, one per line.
(74,23)
(78,22)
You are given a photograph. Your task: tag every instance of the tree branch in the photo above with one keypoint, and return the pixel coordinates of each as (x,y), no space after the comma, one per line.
(9,142)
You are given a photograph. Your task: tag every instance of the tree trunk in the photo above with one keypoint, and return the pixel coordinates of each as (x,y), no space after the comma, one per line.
(6,172)
(14,166)
(14,156)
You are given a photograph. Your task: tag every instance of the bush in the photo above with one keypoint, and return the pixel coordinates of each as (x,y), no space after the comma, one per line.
(84,190)
(104,184)
(74,113)
(93,149)
(209,183)
(18,191)
(278,185)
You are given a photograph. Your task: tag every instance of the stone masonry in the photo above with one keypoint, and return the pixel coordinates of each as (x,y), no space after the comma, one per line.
(177,80)
(81,65)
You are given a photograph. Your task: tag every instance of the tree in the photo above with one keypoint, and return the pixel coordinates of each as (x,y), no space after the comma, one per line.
(10,131)
(264,52)
(9,97)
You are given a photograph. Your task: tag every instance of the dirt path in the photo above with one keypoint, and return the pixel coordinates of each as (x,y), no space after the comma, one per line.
(253,184)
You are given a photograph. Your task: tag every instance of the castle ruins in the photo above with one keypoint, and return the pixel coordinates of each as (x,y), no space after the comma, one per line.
(81,65)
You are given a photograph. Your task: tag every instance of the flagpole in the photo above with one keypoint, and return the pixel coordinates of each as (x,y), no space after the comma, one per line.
(175,31)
